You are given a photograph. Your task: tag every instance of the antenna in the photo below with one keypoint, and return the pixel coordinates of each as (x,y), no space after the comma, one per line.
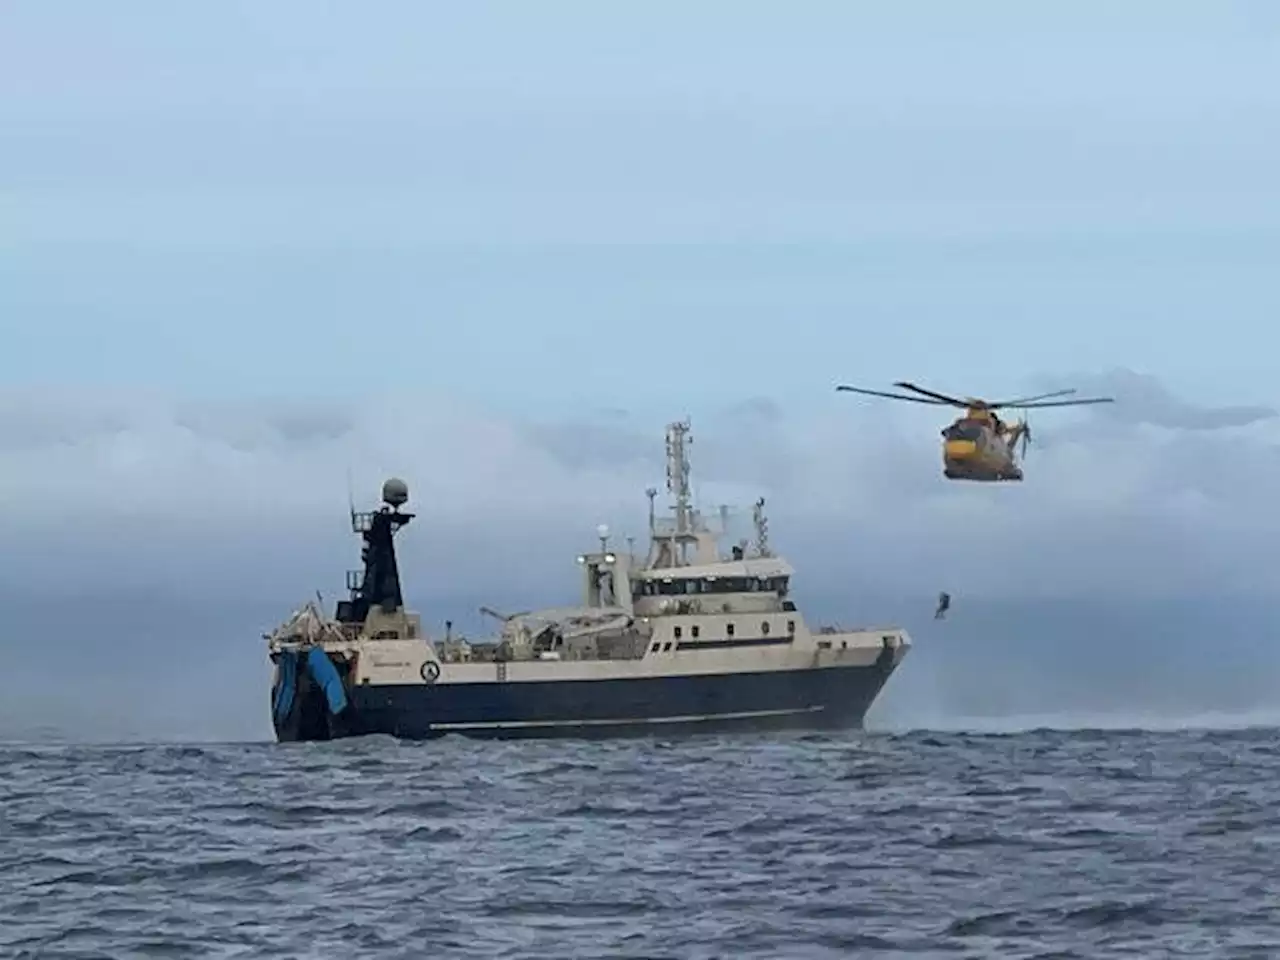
(602,532)
(762,529)
(351,497)
(653,517)
(678,472)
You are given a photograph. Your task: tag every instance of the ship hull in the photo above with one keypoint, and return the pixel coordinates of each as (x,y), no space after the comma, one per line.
(828,697)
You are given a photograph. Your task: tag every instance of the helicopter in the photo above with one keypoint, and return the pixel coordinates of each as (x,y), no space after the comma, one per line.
(979,445)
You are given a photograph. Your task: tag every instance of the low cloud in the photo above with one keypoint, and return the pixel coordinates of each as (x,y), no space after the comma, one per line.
(249,499)
(146,533)
(1143,399)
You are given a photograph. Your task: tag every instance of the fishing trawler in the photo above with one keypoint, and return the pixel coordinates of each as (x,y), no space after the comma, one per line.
(684,639)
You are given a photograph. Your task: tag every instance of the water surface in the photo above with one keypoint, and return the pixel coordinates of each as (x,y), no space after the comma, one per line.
(1042,844)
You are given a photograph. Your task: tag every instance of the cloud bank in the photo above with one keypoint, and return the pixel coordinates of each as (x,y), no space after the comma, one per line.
(1143,399)
(1154,497)
(150,539)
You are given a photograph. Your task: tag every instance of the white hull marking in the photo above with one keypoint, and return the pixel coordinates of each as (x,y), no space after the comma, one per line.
(692,718)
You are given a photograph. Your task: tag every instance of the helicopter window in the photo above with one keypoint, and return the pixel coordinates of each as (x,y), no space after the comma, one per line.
(963,431)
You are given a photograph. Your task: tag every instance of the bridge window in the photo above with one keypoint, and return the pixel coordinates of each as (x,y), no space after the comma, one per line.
(728,629)
(764,628)
(678,632)
(656,646)
(684,586)
(791,626)
(671,587)
(694,631)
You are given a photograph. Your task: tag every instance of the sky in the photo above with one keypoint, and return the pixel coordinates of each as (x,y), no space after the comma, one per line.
(533,205)
(248,251)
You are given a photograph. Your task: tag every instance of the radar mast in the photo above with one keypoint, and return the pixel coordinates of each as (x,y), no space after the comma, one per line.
(761,523)
(671,539)
(377,586)
(678,475)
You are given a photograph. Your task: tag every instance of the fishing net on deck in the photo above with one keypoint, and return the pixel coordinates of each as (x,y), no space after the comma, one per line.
(307,625)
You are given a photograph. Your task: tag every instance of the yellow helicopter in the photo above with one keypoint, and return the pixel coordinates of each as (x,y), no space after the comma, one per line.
(979,445)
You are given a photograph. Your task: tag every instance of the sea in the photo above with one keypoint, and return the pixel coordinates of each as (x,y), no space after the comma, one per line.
(1037,843)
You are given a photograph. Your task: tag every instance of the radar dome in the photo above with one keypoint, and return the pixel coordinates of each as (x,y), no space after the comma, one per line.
(395,492)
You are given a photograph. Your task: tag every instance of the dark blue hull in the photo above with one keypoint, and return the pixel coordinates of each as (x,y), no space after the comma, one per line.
(827,697)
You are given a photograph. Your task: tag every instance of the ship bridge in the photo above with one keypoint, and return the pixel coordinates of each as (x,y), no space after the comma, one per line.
(733,576)
(736,586)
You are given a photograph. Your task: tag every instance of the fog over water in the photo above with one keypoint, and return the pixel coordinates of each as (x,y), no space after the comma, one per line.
(153,539)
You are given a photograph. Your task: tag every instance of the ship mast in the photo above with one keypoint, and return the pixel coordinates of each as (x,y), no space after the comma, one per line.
(678,476)
(761,523)
(377,586)
(671,539)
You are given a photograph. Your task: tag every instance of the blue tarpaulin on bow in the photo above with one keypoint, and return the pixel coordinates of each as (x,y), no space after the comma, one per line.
(287,686)
(325,673)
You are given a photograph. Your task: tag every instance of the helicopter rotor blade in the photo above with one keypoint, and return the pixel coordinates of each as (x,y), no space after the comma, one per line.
(1038,396)
(942,397)
(891,396)
(1062,403)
